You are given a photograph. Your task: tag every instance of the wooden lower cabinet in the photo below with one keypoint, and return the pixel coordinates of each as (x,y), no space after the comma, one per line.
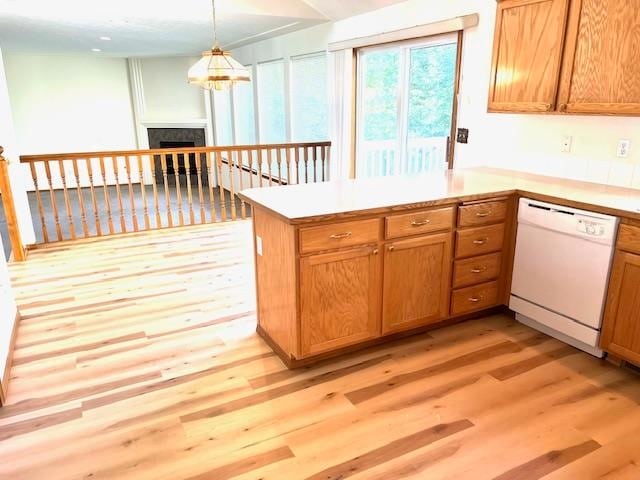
(621,331)
(339,299)
(417,275)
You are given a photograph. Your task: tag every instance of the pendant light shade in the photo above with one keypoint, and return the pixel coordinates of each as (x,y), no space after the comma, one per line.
(217,69)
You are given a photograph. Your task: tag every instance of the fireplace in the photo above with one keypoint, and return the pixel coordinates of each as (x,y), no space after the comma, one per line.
(176,138)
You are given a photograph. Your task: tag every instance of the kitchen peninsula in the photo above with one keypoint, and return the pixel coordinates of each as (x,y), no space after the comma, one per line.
(342,265)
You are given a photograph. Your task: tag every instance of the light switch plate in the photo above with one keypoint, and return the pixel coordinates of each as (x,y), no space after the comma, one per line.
(567,142)
(259,245)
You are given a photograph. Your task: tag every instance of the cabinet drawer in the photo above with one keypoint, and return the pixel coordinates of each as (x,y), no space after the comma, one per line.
(422,222)
(629,239)
(474,298)
(339,235)
(476,270)
(482,213)
(478,241)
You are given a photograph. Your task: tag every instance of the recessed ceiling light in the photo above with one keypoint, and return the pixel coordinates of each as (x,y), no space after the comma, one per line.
(106,39)
(96,49)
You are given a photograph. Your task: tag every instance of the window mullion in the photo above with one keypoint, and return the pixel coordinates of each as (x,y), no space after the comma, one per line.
(403,110)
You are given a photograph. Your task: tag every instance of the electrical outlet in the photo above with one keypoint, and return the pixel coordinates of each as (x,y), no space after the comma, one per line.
(624,146)
(567,142)
(463,135)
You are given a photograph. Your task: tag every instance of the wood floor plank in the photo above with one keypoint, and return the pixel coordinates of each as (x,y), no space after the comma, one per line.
(137,358)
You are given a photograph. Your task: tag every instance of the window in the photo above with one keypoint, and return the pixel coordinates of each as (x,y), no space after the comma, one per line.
(244,114)
(222,112)
(405,106)
(271,102)
(309,101)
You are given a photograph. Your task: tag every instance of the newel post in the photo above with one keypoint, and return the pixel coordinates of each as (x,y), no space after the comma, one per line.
(15,239)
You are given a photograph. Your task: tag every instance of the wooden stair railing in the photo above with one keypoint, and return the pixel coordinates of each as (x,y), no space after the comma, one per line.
(8,202)
(92,194)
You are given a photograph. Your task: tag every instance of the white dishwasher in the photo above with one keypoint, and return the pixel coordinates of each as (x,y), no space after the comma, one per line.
(561,271)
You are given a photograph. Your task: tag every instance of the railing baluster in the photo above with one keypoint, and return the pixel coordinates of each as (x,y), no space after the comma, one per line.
(306,165)
(328,160)
(34,176)
(287,159)
(270,166)
(223,199)
(67,202)
(243,208)
(200,193)
(145,208)
(167,198)
(250,162)
(259,151)
(232,187)
(132,202)
(279,162)
(315,166)
(176,174)
(52,196)
(83,213)
(297,160)
(212,201)
(116,175)
(94,202)
(187,166)
(154,187)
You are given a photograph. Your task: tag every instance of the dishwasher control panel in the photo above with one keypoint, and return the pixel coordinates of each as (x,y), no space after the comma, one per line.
(591,228)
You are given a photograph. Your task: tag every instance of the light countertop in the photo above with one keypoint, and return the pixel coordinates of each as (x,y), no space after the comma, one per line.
(320,201)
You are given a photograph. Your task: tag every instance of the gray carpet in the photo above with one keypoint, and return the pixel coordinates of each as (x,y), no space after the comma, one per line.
(116,218)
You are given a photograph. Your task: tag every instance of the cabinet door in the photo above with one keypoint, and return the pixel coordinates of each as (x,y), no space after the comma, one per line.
(621,330)
(339,299)
(601,69)
(417,275)
(527,53)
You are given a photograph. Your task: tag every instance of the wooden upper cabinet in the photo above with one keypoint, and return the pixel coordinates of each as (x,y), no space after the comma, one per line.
(417,275)
(621,329)
(339,299)
(601,69)
(527,55)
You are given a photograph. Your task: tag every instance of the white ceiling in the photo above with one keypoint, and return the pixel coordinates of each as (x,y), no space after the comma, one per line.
(158,27)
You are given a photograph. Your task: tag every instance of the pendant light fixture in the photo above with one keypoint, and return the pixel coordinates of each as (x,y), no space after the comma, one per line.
(217,69)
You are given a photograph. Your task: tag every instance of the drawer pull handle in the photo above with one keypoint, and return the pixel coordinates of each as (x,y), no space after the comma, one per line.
(480,241)
(420,223)
(478,269)
(338,236)
(483,214)
(475,299)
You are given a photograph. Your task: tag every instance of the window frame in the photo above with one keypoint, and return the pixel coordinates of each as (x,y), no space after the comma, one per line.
(402,107)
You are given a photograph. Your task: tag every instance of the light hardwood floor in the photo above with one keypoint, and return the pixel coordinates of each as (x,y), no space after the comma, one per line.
(137,358)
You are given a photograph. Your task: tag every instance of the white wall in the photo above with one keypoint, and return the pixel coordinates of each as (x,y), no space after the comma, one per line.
(168,97)
(521,142)
(17,172)
(70,103)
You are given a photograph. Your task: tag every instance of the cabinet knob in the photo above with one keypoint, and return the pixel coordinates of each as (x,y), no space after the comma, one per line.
(549,106)
(375,251)
(391,248)
(562,107)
